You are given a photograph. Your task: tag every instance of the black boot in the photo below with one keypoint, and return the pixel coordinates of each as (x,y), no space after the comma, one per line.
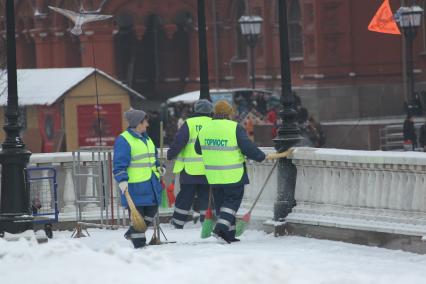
(234,239)
(127,234)
(220,235)
(177,226)
(139,242)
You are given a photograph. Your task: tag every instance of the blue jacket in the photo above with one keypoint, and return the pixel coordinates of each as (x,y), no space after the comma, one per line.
(247,148)
(179,142)
(145,193)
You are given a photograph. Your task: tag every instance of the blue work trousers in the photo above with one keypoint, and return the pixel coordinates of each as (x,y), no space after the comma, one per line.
(138,238)
(185,199)
(227,201)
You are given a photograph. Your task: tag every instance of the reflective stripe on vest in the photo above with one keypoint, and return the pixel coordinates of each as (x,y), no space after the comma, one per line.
(142,159)
(222,157)
(188,159)
(218,148)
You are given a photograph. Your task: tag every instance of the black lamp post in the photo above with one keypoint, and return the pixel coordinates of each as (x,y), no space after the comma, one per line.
(409,19)
(250,29)
(288,132)
(202,55)
(15,210)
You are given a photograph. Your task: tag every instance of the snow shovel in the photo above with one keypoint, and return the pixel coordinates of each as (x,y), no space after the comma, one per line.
(243,222)
(136,218)
(207,227)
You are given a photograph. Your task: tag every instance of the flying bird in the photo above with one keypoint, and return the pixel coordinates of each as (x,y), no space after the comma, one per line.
(81,18)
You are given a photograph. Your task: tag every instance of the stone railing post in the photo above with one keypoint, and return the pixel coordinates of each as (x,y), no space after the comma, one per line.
(46,192)
(69,193)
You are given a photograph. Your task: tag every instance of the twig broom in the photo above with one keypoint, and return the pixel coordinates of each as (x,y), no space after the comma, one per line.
(136,218)
(207,227)
(244,221)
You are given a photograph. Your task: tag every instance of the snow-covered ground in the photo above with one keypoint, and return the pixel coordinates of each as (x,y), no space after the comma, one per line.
(106,257)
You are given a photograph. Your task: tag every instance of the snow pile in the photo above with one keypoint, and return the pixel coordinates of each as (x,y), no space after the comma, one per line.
(106,257)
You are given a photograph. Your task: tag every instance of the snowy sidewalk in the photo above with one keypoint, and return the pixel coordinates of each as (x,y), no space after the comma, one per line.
(106,257)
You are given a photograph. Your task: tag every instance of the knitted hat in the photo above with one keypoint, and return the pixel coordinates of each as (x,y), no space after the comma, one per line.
(134,117)
(203,106)
(223,107)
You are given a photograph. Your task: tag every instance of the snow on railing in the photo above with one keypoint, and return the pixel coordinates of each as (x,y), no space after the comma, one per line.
(366,190)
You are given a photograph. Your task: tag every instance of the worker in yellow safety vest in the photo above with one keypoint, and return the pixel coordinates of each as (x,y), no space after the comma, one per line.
(223,145)
(136,168)
(189,165)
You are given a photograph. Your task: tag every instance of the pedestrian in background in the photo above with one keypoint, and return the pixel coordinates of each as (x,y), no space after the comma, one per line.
(422,137)
(154,127)
(135,168)
(409,132)
(189,165)
(315,132)
(223,143)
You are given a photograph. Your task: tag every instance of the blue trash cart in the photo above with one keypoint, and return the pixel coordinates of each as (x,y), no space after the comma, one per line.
(42,186)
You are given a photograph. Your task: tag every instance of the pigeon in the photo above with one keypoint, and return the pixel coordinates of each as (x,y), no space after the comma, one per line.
(81,18)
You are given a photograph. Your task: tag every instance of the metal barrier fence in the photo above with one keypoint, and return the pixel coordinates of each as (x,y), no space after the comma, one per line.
(94,185)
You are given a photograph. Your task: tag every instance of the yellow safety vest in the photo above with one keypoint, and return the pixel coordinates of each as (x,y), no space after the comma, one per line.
(142,159)
(188,159)
(222,157)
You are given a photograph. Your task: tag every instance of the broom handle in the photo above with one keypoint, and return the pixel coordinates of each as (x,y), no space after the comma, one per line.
(210,196)
(157,227)
(161,143)
(263,186)
(156,224)
(129,200)
(280,155)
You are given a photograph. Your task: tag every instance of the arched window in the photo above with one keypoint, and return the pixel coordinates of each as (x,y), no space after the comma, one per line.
(125,46)
(295,29)
(241,50)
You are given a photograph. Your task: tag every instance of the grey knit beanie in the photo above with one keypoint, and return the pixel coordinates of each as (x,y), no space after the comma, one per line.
(134,117)
(203,106)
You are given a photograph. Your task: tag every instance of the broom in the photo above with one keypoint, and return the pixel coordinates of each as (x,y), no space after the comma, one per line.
(207,227)
(136,218)
(155,240)
(171,193)
(164,197)
(243,222)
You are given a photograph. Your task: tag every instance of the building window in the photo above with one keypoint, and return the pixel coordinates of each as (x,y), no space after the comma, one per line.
(241,50)
(295,29)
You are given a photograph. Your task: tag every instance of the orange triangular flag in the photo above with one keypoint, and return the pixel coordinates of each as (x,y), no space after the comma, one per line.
(383,21)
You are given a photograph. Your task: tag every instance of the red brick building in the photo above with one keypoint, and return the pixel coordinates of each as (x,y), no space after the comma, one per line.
(339,68)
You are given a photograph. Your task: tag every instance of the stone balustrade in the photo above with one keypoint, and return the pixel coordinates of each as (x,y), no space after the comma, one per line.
(374,191)
(364,190)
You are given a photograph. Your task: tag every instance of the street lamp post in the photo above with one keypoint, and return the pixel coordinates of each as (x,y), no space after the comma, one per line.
(250,29)
(409,19)
(202,55)
(15,199)
(288,132)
